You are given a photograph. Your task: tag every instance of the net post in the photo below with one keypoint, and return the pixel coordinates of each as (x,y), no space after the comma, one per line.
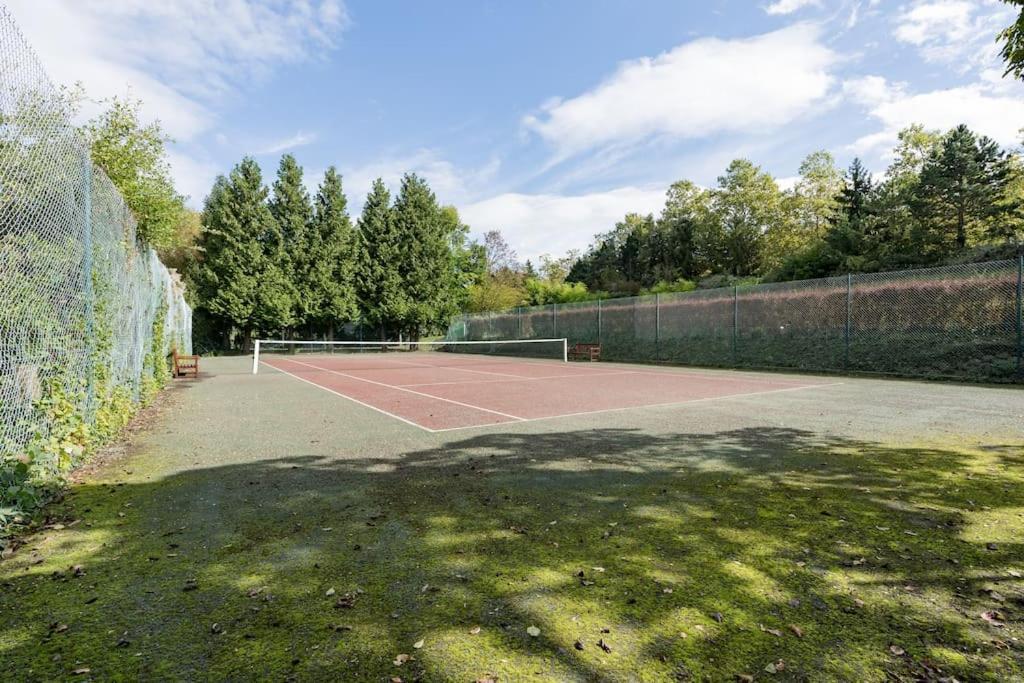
(565,350)
(256,357)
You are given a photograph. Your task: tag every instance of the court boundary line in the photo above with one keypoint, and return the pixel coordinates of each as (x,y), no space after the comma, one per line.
(651,405)
(410,391)
(354,400)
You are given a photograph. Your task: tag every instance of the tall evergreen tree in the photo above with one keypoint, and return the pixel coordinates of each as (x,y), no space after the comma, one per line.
(426,261)
(962,184)
(239,279)
(291,208)
(379,284)
(330,257)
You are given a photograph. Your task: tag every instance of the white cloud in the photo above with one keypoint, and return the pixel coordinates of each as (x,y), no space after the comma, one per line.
(697,89)
(538,224)
(451,184)
(177,57)
(953,31)
(992,113)
(192,178)
(300,139)
(789,6)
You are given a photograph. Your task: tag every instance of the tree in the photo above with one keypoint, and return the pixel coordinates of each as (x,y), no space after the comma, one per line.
(330,257)
(135,159)
(426,260)
(815,194)
(379,287)
(238,280)
(291,208)
(746,203)
(500,255)
(690,242)
(1012,38)
(961,187)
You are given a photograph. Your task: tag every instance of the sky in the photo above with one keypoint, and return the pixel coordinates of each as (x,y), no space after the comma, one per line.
(546,119)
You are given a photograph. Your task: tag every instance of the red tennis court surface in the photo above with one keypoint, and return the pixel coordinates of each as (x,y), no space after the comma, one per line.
(441,391)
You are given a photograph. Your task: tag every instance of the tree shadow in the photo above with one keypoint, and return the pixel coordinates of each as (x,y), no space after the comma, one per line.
(689,556)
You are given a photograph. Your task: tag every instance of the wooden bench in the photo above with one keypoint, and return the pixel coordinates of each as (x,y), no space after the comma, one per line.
(590,352)
(184,365)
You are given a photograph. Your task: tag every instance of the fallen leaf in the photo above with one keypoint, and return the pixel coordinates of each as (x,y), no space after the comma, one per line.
(717,616)
(418,644)
(578,645)
(604,646)
(797,631)
(79,672)
(897,650)
(533,631)
(475,630)
(330,592)
(216,628)
(993,617)
(402,659)
(744,678)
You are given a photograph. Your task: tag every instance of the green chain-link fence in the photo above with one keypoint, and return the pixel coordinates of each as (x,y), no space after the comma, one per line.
(85,309)
(959,321)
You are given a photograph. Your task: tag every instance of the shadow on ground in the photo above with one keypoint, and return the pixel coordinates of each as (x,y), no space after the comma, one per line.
(638,557)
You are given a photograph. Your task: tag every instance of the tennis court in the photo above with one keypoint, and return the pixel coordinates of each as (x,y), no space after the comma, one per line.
(444,391)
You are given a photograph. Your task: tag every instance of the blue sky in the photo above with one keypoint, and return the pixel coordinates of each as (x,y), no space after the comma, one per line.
(546,119)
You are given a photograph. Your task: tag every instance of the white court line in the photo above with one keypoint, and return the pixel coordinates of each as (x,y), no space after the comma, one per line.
(652,405)
(519,379)
(410,391)
(354,400)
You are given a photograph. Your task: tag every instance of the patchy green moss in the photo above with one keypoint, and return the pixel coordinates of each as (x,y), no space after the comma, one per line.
(692,557)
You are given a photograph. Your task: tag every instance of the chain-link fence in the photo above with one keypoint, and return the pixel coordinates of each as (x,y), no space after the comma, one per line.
(959,321)
(85,310)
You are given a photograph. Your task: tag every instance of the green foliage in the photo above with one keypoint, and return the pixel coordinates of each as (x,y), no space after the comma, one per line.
(1012,38)
(663,287)
(330,257)
(540,292)
(944,197)
(379,281)
(29,479)
(134,157)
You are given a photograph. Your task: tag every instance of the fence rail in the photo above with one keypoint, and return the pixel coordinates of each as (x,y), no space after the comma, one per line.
(962,322)
(84,307)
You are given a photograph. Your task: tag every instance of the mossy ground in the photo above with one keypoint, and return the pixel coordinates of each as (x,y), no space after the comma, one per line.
(700,556)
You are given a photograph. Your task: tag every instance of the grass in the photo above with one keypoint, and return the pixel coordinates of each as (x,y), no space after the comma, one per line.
(689,557)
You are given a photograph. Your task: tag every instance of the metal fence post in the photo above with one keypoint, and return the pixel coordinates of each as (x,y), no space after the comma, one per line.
(554,320)
(657,326)
(87,293)
(735,324)
(849,322)
(1020,313)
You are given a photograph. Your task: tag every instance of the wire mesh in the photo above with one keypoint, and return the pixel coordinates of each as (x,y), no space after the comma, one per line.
(80,298)
(959,322)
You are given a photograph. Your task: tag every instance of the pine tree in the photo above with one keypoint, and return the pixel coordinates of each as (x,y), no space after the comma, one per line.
(330,254)
(291,208)
(426,262)
(962,183)
(381,296)
(239,281)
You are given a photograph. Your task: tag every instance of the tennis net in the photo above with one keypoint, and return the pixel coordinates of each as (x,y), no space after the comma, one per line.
(381,353)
